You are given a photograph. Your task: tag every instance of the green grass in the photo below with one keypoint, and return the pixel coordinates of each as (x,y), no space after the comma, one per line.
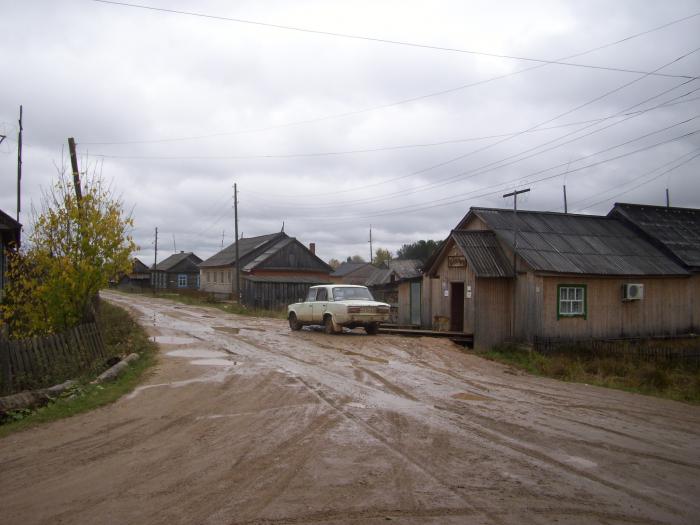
(679,381)
(200,299)
(122,336)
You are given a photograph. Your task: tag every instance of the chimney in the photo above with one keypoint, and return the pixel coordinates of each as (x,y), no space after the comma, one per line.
(312,247)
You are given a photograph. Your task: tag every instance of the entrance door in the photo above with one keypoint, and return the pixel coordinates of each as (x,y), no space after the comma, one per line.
(457,307)
(415,303)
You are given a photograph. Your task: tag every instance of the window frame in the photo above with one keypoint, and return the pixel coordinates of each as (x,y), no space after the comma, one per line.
(584,300)
(180,278)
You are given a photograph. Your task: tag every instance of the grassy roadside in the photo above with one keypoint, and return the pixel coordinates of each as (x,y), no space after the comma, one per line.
(122,336)
(206,301)
(679,381)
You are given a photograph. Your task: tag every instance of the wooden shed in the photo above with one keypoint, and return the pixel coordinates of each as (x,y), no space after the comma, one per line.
(574,277)
(400,284)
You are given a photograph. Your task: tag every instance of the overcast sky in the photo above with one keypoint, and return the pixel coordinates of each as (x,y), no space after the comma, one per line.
(331,134)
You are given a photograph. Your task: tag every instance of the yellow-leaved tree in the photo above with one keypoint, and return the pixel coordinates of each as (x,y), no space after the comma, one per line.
(75,247)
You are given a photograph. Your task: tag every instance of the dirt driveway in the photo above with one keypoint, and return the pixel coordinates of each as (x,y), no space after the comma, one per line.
(247,422)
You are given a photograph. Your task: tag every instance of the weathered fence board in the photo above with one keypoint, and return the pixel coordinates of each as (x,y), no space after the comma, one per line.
(671,348)
(39,362)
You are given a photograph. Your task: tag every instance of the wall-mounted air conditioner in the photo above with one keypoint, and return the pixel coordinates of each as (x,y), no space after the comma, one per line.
(632,292)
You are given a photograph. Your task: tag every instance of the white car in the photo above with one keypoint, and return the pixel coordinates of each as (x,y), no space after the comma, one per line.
(335,306)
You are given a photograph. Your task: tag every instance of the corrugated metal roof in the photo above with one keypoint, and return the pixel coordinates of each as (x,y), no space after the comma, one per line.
(675,230)
(483,253)
(296,279)
(227,256)
(578,244)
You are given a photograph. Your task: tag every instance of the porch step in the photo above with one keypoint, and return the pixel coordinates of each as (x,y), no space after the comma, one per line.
(457,337)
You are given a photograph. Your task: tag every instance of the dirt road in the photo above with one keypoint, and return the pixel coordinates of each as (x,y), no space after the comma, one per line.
(246,422)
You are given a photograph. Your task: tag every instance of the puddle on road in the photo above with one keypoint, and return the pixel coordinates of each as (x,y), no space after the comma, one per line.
(254,329)
(197,353)
(356,405)
(580,462)
(466,396)
(174,340)
(227,329)
(217,377)
(213,362)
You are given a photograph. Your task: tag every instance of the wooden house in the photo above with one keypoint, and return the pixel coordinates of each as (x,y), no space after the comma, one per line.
(177,272)
(10,232)
(399,283)
(676,232)
(505,276)
(137,280)
(352,273)
(275,270)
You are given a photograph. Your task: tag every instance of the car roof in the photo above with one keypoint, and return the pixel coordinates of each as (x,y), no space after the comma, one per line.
(338,285)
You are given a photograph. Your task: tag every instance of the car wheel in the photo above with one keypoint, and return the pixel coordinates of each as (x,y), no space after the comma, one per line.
(372,329)
(294,323)
(328,325)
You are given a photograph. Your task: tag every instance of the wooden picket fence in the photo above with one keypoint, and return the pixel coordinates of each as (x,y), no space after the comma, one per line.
(40,362)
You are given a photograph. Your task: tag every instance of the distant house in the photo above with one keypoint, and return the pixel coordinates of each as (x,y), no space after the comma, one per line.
(275,270)
(10,231)
(399,283)
(352,273)
(138,279)
(177,272)
(574,277)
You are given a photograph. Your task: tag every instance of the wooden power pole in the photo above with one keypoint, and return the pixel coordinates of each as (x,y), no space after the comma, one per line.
(238,265)
(514,194)
(19,164)
(74,167)
(155,265)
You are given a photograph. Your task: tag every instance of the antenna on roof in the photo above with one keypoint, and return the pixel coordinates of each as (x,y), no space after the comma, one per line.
(282,226)
(174,245)
(223,234)
(566,209)
(668,199)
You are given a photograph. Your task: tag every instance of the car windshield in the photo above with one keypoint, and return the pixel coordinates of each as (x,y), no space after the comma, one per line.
(346,292)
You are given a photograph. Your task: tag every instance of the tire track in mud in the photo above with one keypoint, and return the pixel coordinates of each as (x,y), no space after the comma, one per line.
(488,434)
(403,455)
(504,441)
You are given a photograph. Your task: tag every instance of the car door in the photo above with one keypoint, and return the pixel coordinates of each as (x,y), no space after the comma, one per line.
(319,305)
(304,312)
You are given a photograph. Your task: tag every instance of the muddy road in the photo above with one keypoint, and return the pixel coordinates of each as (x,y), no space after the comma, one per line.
(244,421)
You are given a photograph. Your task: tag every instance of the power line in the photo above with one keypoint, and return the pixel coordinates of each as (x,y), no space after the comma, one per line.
(401,42)
(695,154)
(379,148)
(504,185)
(489,146)
(381,106)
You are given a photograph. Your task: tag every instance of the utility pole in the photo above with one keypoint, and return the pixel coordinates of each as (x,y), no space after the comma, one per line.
(371,252)
(155,265)
(76,173)
(19,163)
(238,266)
(566,210)
(514,194)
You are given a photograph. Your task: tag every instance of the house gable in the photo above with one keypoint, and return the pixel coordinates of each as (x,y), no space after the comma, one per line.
(288,255)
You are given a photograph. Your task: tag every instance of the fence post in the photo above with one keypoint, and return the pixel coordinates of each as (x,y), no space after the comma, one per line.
(5,370)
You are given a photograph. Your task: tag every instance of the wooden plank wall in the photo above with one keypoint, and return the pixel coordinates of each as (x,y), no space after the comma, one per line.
(493,312)
(41,362)
(271,295)
(665,309)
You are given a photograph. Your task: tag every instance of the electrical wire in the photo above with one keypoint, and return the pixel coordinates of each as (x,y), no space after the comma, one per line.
(399,42)
(381,106)
(695,154)
(378,149)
